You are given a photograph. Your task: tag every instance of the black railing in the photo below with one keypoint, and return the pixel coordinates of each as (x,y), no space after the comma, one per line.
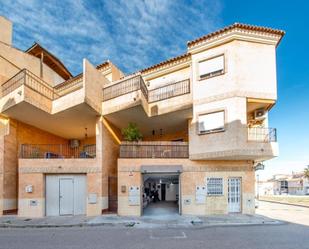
(137,83)
(154,150)
(261,134)
(144,89)
(121,88)
(52,151)
(35,83)
(169,91)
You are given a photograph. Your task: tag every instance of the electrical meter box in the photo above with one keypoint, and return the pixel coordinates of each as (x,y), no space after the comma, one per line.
(92,198)
(200,194)
(134,195)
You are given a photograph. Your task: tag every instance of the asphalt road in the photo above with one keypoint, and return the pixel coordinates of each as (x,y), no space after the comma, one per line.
(288,213)
(286,236)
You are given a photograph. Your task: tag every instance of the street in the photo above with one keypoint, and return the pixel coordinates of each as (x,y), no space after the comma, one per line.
(288,213)
(285,236)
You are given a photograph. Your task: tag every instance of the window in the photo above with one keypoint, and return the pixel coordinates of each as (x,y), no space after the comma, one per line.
(211,67)
(211,122)
(214,186)
(284,184)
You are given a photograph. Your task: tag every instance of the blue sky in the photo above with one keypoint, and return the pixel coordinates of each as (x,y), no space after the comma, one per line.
(135,34)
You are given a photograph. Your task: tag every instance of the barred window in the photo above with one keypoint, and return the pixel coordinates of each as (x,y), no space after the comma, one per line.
(214,186)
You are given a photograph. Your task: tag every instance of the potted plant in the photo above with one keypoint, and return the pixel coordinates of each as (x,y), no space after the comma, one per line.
(132,134)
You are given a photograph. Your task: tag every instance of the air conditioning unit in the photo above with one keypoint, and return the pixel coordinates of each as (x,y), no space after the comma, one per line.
(260,114)
(74,143)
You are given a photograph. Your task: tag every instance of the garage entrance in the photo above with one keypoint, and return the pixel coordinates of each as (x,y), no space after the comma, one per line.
(161,192)
(65,195)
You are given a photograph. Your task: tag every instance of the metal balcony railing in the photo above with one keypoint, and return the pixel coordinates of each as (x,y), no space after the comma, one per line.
(129,85)
(25,77)
(35,83)
(261,134)
(137,83)
(169,91)
(53,151)
(154,149)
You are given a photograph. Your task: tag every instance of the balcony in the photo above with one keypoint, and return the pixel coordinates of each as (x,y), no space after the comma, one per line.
(260,134)
(68,86)
(123,87)
(169,91)
(56,151)
(152,149)
(26,78)
(137,83)
(133,91)
(35,83)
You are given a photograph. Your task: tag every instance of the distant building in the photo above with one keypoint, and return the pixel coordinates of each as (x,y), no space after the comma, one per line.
(282,184)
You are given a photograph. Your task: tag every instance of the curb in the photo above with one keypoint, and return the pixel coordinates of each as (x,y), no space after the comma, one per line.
(276,223)
(57,226)
(284,203)
(129,225)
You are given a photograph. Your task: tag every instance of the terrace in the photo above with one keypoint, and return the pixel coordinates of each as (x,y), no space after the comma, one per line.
(132,90)
(30,80)
(57,151)
(136,83)
(154,149)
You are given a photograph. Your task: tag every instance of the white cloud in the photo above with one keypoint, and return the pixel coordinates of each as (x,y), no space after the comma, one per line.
(133,34)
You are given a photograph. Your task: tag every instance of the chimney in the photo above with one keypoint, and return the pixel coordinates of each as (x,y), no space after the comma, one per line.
(6,28)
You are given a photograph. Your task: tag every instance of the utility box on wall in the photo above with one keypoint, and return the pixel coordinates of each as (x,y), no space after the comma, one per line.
(200,194)
(134,196)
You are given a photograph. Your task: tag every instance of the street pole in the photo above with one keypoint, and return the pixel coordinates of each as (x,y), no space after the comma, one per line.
(257,186)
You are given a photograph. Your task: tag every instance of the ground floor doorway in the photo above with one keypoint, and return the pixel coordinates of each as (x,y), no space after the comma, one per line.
(65,194)
(112,194)
(161,194)
(234,195)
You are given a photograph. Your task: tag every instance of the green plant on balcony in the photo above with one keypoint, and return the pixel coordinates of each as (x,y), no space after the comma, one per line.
(132,133)
(35,153)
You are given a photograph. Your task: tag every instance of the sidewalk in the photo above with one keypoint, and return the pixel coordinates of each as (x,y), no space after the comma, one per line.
(170,221)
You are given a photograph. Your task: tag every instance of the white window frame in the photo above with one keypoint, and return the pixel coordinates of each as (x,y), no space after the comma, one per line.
(218,129)
(215,185)
(214,73)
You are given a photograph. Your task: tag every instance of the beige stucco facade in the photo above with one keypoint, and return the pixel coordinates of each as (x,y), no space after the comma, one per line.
(194,173)
(66,127)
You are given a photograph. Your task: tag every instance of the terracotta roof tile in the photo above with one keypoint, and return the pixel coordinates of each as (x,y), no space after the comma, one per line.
(233,26)
(104,64)
(171,60)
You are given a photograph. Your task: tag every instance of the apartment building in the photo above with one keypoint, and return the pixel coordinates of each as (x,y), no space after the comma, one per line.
(203,116)
(285,184)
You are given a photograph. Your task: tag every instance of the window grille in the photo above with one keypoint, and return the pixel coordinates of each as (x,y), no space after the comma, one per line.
(214,186)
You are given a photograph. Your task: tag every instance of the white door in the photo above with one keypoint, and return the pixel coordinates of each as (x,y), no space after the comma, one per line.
(234,195)
(66,196)
(52,195)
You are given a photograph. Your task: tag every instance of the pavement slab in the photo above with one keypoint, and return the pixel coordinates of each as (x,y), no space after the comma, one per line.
(166,221)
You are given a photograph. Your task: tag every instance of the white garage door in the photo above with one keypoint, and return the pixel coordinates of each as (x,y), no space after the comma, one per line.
(65,195)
